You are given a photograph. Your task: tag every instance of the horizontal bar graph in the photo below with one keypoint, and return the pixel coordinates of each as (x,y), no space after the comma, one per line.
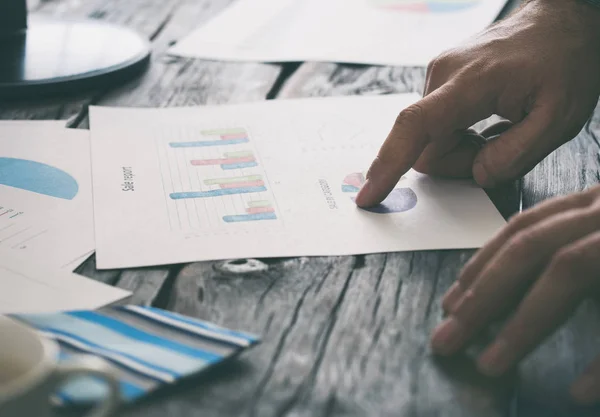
(230,160)
(256,211)
(249,208)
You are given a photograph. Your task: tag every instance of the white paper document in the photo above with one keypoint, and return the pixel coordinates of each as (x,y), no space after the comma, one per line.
(268,179)
(379,32)
(46,209)
(30,288)
(48,124)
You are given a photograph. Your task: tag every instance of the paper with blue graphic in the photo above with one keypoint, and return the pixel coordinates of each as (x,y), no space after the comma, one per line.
(268,179)
(146,347)
(46,209)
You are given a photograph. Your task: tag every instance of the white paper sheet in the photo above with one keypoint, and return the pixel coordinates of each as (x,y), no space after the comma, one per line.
(265,179)
(46,209)
(30,288)
(49,124)
(380,32)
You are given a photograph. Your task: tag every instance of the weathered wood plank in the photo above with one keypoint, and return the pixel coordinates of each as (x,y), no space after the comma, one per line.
(341,336)
(145,284)
(326,79)
(548,372)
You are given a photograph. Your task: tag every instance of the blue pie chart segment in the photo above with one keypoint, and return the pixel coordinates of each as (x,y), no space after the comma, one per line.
(398,201)
(37,177)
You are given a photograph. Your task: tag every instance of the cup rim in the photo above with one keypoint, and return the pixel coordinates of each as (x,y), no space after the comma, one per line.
(37,371)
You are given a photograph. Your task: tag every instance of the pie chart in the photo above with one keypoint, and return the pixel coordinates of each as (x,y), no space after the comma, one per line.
(425,6)
(37,177)
(401,199)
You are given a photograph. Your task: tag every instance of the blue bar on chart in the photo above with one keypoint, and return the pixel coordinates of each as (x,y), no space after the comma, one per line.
(217,193)
(249,217)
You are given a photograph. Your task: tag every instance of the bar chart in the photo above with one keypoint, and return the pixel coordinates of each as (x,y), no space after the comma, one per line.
(213,178)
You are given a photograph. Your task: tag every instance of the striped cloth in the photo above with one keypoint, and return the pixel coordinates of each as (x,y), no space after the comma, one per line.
(145,346)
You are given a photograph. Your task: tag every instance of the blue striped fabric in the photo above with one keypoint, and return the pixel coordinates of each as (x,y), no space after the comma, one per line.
(145,346)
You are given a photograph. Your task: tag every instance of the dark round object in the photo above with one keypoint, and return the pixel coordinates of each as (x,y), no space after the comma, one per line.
(57,57)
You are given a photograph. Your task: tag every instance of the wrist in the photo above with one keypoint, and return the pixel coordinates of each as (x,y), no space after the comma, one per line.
(582,15)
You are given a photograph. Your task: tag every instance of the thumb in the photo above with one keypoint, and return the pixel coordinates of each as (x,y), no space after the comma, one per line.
(518,150)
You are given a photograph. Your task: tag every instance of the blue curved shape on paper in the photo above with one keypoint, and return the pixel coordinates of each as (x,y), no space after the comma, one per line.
(38,178)
(398,201)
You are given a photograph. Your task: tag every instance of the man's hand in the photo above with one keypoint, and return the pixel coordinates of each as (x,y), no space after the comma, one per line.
(545,262)
(539,69)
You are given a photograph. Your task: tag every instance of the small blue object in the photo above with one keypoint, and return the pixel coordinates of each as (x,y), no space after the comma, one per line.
(249,217)
(398,201)
(239,165)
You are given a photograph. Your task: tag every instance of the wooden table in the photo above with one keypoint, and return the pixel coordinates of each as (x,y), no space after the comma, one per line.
(342,335)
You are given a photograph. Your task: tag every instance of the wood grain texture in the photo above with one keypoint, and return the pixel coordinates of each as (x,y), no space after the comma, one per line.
(549,371)
(341,336)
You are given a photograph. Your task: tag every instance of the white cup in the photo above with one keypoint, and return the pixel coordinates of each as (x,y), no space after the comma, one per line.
(30,373)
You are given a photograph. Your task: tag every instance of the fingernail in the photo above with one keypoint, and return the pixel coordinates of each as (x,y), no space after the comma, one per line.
(448,337)
(586,389)
(480,174)
(365,193)
(452,297)
(496,359)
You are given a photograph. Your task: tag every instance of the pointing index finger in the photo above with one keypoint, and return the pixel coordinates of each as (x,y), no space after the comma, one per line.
(438,115)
